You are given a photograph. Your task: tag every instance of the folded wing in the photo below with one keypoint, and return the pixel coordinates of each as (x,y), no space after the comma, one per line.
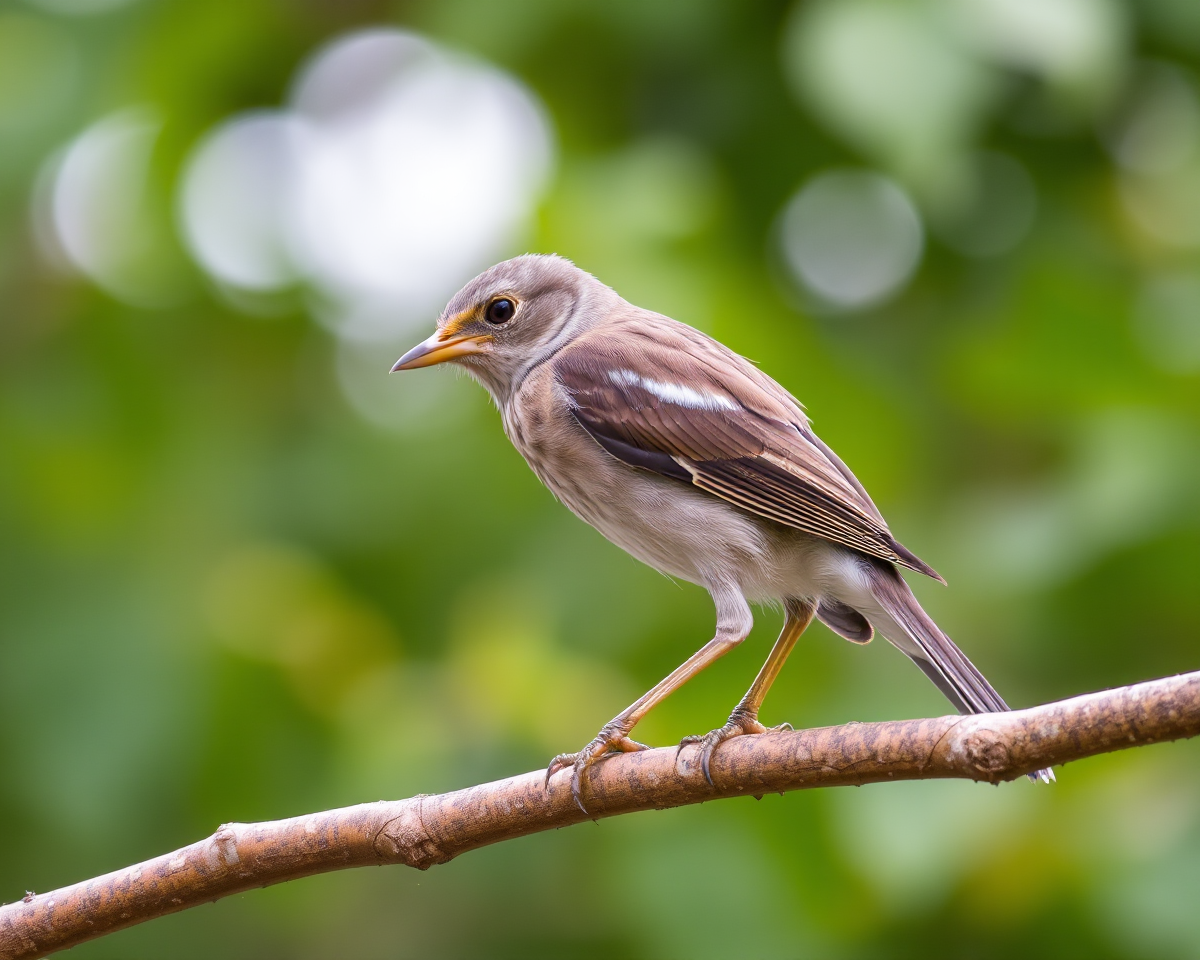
(668,399)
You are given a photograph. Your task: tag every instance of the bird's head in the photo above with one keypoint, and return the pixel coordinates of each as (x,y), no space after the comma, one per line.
(509,317)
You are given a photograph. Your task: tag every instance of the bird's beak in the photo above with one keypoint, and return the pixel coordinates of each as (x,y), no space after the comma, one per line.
(439,348)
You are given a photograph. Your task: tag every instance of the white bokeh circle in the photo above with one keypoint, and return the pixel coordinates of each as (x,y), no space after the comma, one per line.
(234,197)
(851,237)
(398,172)
(95,212)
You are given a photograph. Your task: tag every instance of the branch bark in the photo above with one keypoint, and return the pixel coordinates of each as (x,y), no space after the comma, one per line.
(426,830)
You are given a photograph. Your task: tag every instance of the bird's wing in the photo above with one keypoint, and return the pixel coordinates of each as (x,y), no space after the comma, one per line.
(661,396)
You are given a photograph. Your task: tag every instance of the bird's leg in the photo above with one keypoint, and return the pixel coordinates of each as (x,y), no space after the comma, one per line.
(614,735)
(733,625)
(744,718)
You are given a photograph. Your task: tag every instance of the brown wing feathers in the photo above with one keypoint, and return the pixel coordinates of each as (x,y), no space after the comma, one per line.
(771,491)
(683,406)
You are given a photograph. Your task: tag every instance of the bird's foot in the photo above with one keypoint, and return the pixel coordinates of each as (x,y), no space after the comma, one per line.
(611,739)
(741,722)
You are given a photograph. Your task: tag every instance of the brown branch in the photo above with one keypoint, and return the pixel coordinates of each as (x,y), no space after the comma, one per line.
(426,830)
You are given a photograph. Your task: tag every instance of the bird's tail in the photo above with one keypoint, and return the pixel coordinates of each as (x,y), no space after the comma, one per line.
(912,630)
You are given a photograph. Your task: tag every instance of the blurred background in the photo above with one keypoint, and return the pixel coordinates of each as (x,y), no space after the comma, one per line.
(245,574)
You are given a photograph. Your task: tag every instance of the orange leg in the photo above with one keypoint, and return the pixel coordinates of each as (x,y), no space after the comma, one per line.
(733,624)
(744,718)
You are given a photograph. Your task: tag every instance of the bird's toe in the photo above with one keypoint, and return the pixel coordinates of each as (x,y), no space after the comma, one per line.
(607,742)
(739,724)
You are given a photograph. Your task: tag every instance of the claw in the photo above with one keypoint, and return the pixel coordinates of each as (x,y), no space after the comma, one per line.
(561,762)
(739,724)
(606,743)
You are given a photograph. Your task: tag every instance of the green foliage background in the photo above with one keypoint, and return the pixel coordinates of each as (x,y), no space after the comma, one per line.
(227,595)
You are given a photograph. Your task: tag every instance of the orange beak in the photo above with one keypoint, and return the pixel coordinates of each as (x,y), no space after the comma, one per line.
(439,348)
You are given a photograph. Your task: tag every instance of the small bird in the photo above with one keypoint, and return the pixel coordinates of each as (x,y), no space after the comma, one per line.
(693,460)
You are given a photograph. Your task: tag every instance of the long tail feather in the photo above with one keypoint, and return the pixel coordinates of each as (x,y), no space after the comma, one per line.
(934,652)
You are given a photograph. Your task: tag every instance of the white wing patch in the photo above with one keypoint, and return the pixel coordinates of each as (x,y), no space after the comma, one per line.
(676,393)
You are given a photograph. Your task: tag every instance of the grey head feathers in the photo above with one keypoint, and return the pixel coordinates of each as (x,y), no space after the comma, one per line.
(555,302)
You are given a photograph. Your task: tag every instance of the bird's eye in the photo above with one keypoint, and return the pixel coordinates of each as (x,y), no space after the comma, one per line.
(500,311)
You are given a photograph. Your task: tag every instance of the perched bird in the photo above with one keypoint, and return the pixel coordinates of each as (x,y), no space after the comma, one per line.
(696,462)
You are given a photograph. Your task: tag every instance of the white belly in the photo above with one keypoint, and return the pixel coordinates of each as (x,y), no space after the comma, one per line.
(677,529)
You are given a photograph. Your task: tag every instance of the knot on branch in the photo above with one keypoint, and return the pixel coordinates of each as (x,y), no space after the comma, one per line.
(222,847)
(987,753)
(405,839)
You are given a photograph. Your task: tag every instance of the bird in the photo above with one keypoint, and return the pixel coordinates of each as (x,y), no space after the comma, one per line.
(689,457)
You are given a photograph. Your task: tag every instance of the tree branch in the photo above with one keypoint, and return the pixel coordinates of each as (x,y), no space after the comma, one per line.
(427,830)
